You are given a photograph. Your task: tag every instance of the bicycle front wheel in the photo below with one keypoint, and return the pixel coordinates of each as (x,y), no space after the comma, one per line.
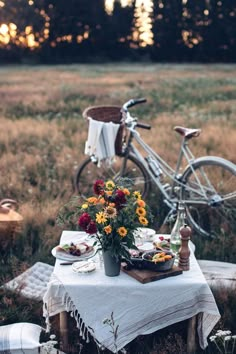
(129,167)
(209,193)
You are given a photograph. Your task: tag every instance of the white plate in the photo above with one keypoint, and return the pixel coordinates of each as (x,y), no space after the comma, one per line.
(69,257)
(144,233)
(83,267)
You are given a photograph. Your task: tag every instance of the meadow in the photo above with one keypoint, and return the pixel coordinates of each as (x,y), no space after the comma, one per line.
(43,133)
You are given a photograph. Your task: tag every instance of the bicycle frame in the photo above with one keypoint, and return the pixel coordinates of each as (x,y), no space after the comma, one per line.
(206,184)
(174,175)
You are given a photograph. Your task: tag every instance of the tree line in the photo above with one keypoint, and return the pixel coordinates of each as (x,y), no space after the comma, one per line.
(82,31)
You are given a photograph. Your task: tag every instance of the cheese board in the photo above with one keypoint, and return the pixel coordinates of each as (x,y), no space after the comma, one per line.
(146,276)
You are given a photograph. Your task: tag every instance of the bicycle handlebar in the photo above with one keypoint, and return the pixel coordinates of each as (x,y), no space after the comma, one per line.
(133,102)
(143,126)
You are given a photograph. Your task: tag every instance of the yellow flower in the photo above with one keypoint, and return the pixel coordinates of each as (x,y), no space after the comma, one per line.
(107,229)
(143,220)
(101,217)
(110,212)
(122,231)
(141,203)
(110,185)
(92,200)
(140,211)
(84,206)
(126,191)
(137,195)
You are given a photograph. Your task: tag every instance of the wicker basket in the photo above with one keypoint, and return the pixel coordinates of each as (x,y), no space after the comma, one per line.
(108,114)
(10,222)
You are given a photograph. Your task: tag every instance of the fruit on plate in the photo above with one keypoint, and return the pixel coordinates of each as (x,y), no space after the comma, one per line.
(75,249)
(162,243)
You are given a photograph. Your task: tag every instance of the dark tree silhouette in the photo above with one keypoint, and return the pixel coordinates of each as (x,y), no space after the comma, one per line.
(167,30)
(81,30)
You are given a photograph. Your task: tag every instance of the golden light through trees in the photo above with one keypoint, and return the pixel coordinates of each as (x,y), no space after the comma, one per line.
(109,4)
(28,37)
(142,28)
(141,32)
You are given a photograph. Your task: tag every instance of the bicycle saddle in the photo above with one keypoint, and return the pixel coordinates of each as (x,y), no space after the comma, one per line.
(187,133)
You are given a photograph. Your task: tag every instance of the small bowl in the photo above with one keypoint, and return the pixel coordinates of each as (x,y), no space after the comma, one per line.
(159,266)
(144,233)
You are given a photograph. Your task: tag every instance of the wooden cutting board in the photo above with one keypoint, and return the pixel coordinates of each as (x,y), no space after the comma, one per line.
(146,276)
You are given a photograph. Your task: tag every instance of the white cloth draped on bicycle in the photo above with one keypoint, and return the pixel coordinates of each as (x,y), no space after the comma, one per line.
(101,139)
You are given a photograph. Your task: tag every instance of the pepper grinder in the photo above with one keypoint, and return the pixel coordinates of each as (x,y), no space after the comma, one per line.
(184,251)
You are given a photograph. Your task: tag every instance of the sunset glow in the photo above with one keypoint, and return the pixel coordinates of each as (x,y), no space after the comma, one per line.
(141,33)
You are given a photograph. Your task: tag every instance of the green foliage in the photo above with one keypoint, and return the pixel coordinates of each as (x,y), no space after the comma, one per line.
(111,216)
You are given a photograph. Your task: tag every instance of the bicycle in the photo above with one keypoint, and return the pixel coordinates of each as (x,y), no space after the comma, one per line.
(207,185)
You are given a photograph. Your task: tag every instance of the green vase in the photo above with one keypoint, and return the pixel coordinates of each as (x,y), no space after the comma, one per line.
(111,264)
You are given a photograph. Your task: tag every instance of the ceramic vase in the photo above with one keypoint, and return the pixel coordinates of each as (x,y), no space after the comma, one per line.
(111,264)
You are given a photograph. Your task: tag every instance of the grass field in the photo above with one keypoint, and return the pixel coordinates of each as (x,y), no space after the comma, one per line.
(43,133)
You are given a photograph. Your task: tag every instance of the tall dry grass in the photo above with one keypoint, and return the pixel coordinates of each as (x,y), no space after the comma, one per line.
(42,134)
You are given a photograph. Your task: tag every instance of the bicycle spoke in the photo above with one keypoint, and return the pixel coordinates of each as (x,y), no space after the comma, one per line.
(89,172)
(214,211)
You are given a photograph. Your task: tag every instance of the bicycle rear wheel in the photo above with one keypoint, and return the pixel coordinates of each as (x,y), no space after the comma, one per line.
(129,167)
(210,196)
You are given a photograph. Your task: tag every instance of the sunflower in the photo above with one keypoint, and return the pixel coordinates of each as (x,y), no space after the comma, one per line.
(110,212)
(122,231)
(108,229)
(101,217)
(137,195)
(143,220)
(140,211)
(110,185)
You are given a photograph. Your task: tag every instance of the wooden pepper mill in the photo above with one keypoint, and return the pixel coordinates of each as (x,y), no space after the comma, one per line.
(184,251)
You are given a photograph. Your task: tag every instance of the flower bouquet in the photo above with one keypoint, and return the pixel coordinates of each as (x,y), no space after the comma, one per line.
(110,216)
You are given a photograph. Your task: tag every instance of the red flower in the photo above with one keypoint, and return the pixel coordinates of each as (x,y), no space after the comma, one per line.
(84,220)
(120,199)
(99,187)
(92,228)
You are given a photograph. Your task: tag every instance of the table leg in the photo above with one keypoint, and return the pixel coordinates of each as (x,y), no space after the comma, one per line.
(191,336)
(64,329)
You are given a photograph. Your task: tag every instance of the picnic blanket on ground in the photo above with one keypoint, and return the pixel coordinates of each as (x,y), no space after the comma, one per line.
(137,308)
(20,338)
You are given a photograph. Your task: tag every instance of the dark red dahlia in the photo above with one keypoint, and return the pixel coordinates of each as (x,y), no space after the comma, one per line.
(84,220)
(120,199)
(92,228)
(99,187)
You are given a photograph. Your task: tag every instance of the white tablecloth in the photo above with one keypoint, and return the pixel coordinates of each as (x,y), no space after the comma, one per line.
(137,308)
